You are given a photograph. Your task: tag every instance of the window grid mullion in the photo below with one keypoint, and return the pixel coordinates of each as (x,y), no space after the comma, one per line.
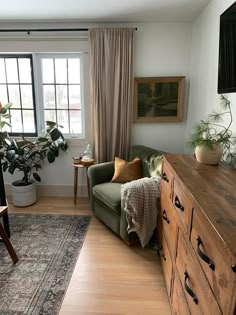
(55,88)
(5,67)
(68,96)
(21,109)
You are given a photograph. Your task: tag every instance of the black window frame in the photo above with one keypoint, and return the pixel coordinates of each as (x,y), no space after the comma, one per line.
(29,56)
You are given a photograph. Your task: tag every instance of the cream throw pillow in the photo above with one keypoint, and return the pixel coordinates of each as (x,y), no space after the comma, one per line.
(127,171)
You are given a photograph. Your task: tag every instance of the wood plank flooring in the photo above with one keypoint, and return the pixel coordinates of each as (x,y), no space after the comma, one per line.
(110,277)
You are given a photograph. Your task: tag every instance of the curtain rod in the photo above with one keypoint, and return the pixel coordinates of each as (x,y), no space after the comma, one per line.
(28,31)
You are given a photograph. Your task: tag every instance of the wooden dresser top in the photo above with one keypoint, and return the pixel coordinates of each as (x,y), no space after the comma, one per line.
(214,190)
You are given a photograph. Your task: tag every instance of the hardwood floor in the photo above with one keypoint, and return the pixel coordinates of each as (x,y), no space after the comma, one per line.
(109,277)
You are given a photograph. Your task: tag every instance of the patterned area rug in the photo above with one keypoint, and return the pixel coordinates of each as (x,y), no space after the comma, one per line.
(48,247)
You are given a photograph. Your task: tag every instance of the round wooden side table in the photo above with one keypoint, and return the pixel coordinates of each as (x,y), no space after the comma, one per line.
(81,165)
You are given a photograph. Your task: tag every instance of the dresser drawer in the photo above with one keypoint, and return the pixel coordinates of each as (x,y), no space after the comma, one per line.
(168,223)
(166,264)
(179,302)
(197,290)
(166,178)
(216,260)
(182,202)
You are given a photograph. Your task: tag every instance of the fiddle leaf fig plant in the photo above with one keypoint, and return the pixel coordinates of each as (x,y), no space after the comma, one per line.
(216,130)
(26,156)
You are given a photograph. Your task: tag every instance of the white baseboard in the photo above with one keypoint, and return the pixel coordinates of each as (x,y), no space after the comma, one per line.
(55,190)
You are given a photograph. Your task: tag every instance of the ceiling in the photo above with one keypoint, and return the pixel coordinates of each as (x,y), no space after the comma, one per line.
(102,10)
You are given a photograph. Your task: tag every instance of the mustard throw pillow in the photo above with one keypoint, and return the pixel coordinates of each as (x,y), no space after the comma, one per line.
(127,171)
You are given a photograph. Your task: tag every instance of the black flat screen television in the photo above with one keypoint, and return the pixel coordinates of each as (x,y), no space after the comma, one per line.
(227,51)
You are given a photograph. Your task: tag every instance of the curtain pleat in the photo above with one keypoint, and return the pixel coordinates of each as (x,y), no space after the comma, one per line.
(111,74)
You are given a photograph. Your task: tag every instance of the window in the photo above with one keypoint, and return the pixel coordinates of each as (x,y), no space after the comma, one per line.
(17,87)
(43,87)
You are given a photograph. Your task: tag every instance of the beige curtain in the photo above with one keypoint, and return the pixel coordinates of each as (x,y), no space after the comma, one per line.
(111,73)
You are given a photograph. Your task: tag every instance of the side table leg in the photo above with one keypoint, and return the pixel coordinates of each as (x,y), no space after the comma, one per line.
(75,183)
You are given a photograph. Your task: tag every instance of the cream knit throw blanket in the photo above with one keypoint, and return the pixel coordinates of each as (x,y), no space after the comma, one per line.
(139,199)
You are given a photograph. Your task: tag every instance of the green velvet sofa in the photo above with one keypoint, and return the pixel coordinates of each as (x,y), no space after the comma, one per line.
(105,196)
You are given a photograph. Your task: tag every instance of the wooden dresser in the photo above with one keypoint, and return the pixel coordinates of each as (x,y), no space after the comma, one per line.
(197,236)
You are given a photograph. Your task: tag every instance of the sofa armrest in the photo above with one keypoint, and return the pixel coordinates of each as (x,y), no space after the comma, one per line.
(97,174)
(100,173)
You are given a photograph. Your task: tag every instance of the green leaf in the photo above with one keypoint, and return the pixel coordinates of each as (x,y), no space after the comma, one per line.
(6,115)
(37,177)
(10,155)
(2,124)
(42,139)
(55,134)
(51,156)
(64,146)
(50,123)
(20,151)
(11,168)
(3,110)
(55,150)
(8,105)
(4,166)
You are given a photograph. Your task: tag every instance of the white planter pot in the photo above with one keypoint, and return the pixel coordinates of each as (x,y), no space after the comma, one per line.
(23,196)
(207,156)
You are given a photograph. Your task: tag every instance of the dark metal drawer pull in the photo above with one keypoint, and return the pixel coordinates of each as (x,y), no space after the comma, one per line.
(203,256)
(187,288)
(178,204)
(164,216)
(164,176)
(161,252)
(234,268)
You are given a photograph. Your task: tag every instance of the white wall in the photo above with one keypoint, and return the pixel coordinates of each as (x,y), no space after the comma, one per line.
(203,95)
(162,49)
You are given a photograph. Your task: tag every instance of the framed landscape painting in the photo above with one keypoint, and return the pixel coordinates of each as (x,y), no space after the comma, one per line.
(159,99)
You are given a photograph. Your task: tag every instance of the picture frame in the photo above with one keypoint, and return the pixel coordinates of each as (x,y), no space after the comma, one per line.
(159,99)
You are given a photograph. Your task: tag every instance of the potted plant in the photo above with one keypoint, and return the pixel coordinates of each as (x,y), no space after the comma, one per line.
(212,139)
(27,156)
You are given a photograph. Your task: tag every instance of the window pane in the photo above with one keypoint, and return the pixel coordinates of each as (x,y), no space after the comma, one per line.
(62,116)
(75,122)
(3,94)
(14,95)
(28,121)
(24,70)
(12,74)
(74,70)
(49,96)
(26,96)
(16,123)
(61,70)
(50,115)
(74,97)
(62,100)
(62,94)
(2,71)
(48,71)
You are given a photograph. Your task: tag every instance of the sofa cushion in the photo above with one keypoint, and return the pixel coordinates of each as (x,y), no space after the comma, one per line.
(127,171)
(109,194)
(151,159)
